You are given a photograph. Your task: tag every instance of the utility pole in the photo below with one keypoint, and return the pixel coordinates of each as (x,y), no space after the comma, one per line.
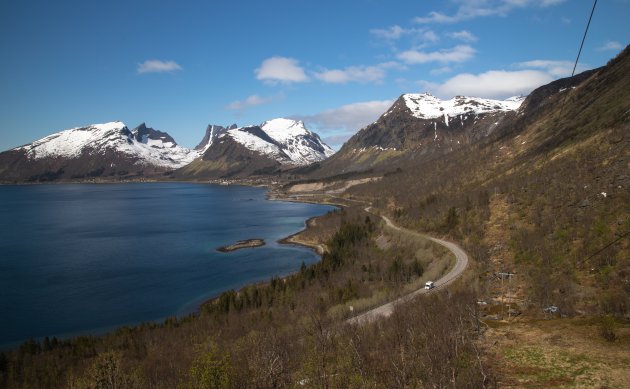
(503,275)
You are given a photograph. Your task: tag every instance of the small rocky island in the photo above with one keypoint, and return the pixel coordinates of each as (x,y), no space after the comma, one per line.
(241,244)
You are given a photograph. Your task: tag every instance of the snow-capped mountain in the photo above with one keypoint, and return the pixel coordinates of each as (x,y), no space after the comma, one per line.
(97,150)
(419,120)
(258,149)
(419,125)
(146,145)
(112,151)
(426,106)
(285,140)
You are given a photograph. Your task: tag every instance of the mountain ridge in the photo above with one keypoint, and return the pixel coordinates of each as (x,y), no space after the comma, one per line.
(111,151)
(266,149)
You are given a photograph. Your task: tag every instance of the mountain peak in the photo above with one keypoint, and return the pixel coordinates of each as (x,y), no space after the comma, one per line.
(113,139)
(142,127)
(287,141)
(212,133)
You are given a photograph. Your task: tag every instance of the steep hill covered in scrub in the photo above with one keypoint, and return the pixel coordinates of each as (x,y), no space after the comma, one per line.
(546,195)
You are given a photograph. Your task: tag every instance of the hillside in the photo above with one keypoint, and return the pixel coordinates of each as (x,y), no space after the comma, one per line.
(545,197)
(556,181)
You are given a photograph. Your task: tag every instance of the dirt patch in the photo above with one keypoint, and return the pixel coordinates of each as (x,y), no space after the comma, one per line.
(558,353)
(336,187)
(498,232)
(383,242)
(300,188)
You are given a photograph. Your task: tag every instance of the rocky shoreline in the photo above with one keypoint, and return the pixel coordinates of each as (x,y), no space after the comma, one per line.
(241,244)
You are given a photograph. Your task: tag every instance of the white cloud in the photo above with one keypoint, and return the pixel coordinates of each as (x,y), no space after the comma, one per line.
(492,84)
(280,69)
(157,66)
(554,68)
(610,46)
(504,83)
(463,35)
(250,101)
(472,9)
(341,123)
(459,53)
(360,74)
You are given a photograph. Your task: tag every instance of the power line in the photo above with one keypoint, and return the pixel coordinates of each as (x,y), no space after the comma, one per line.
(584,38)
(609,244)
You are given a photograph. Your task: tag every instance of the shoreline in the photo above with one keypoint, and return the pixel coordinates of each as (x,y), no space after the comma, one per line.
(272,194)
(294,239)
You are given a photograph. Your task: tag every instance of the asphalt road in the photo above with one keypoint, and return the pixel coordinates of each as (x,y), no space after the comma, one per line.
(461,262)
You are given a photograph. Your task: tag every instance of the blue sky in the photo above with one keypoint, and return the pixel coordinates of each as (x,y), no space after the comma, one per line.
(181,65)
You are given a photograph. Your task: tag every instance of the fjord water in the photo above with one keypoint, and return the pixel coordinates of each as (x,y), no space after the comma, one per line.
(85,258)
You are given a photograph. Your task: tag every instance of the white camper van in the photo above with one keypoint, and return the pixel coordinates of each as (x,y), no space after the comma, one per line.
(429,285)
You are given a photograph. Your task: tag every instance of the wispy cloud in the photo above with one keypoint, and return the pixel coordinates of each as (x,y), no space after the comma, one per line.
(459,53)
(339,124)
(491,84)
(157,66)
(610,46)
(250,101)
(442,70)
(549,3)
(396,32)
(472,9)
(361,74)
(552,67)
(390,33)
(463,35)
(281,70)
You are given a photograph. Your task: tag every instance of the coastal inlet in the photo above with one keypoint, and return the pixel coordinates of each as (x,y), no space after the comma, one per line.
(147,252)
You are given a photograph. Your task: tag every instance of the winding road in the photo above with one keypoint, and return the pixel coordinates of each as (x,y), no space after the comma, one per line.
(461,262)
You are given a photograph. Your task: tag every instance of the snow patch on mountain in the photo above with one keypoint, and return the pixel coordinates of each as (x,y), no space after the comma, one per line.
(426,106)
(254,143)
(110,137)
(285,140)
(282,130)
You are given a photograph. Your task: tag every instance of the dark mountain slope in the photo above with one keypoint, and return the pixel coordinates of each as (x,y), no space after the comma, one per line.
(547,197)
(419,127)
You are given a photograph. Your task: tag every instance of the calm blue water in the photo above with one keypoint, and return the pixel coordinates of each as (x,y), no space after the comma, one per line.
(85,258)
